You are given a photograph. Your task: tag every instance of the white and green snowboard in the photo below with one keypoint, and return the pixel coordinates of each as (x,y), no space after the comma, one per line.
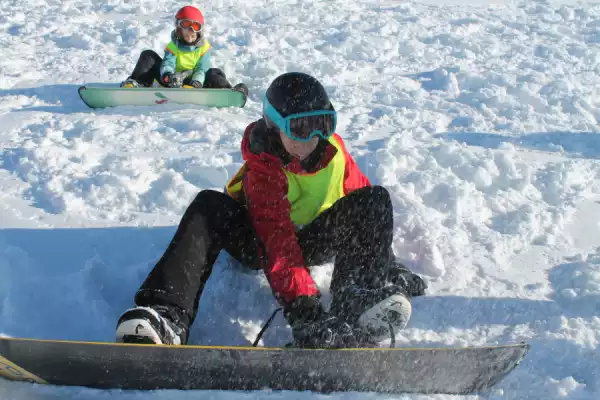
(101,97)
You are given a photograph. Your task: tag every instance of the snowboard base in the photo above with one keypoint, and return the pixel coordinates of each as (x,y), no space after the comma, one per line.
(102,97)
(148,367)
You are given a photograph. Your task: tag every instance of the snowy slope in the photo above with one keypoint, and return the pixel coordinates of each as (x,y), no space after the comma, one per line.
(482,119)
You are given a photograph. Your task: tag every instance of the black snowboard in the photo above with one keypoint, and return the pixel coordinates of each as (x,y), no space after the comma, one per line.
(142,366)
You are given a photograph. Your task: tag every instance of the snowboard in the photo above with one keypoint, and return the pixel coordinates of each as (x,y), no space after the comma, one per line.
(102,97)
(104,365)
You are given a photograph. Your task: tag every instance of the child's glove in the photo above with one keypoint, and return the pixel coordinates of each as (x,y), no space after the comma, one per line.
(313,327)
(171,80)
(412,283)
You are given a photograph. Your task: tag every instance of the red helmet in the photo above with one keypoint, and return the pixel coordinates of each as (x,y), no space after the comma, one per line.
(191,13)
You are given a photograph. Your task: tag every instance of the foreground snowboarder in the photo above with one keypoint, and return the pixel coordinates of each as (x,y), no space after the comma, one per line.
(299,200)
(188,51)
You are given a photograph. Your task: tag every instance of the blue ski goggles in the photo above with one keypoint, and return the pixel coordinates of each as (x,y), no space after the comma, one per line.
(303,126)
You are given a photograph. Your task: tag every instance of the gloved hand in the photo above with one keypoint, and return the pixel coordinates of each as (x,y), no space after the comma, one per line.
(312,327)
(401,276)
(172,80)
(169,80)
(196,84)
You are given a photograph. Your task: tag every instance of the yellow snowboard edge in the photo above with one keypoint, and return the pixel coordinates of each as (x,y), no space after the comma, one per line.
(258,348)
(13,372)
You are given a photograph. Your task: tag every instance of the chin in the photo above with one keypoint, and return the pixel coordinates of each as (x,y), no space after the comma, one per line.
(301,158)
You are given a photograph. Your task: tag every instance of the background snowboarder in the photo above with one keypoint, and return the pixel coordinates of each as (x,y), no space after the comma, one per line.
(188,51)
(299,200)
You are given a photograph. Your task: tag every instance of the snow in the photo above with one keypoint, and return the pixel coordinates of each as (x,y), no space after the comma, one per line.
(481,119)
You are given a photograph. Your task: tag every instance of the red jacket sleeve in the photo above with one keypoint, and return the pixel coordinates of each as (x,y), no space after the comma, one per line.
(353,176)
(265,189)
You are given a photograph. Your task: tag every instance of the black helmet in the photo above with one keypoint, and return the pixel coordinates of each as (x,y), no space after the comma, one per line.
(296,92)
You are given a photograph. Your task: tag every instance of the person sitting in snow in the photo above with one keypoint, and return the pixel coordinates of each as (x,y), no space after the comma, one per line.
(299,200)
(188,51)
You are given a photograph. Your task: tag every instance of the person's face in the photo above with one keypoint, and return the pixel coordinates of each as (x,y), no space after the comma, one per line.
(189,35)
(300,150)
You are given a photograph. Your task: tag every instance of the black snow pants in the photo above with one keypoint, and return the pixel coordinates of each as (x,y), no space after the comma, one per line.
(147,69)
(357,230)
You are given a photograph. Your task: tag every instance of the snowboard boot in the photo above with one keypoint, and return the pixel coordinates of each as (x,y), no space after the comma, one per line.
(401,276)
(241,87)
(130,83)
(151,325)
(380,312)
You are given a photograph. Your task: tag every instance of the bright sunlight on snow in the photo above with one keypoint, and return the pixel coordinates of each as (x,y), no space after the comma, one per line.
(481,118)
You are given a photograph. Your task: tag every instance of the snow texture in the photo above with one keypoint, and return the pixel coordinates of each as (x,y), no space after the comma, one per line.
(480,117)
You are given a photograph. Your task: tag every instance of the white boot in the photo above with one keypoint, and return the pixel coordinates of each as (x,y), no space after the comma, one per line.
(381,312)
(147,325)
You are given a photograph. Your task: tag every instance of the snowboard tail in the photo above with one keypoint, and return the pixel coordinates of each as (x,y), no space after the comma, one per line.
(102,97)
(13,372)
(149,367)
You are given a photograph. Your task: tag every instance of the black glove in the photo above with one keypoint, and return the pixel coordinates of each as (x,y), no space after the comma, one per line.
(196,84)
(413,283)
(172,80)
(312,327)
(169,80)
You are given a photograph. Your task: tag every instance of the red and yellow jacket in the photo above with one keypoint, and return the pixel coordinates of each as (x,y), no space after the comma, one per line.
(281,195)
